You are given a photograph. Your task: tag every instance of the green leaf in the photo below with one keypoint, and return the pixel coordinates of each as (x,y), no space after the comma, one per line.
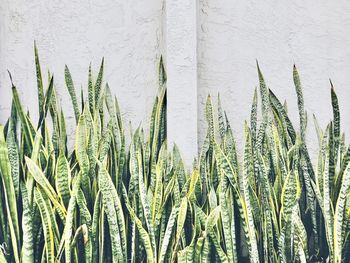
(68,228)
(13,156)
(46,187)
(25,123)
(143,233)
(63,179)
(39,80)
(98,84)
(109,196)
(27,228)
(302,113)
(167,235)
(47,225)
(71,91)
(339,215)
(10,195)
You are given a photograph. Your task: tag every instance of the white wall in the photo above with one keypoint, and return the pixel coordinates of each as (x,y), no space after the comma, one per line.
(181,54)
(76,32)
(131,35)
(315,35)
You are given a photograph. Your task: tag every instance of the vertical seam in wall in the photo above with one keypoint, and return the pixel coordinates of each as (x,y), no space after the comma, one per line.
(181,43)
(197,74)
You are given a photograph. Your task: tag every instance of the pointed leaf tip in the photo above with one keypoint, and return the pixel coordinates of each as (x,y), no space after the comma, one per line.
(10,78)
(259,70)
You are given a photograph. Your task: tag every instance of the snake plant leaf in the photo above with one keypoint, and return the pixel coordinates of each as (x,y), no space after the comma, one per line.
(221,119)
(143,233)
(72,93)
(81,231)
(339,215)
(63,179)
(47,225)
(114,118)
(10,194)
(98,84)
(94,227)
(25,123)
(69,223)
(39,80)
(289,199)
(62,133)
(47,102)
(91,91)
(310,198)
(161,72)
(46,187)
(167,235)
(13,156)
(228,224)
(159,122)
(247,170)
(27,227)
(318,129)
(212,218)
(198,249)
(264,94)
(136,168)
(328,207)
(86,225)
(34,156)
(2,257)
(158,193)
(193,182)
(81,140)
(302,113)
(81,143)
(190,249)
(108,197)
(210,119)
(180,221)
(254,116)
(278,107)
(336,121)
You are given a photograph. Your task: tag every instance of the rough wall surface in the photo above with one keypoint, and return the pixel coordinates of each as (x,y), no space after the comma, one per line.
(127,33)
(312,34)
(231,35)
(181,57)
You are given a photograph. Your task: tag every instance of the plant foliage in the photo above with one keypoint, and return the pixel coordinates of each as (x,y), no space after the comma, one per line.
(119,198)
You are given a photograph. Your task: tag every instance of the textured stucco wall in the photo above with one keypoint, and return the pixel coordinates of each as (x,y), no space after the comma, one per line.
(181,56)
(75,32)
(312,34)
(131,35)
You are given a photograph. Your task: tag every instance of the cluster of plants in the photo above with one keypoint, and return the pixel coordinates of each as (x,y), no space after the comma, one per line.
(115,197)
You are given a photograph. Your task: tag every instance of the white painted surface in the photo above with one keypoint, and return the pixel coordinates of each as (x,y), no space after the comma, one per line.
(231,35)
(76,32)
(182,76)
(315,35)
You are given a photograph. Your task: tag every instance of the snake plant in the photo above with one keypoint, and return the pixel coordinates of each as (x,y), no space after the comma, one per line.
(115,197)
